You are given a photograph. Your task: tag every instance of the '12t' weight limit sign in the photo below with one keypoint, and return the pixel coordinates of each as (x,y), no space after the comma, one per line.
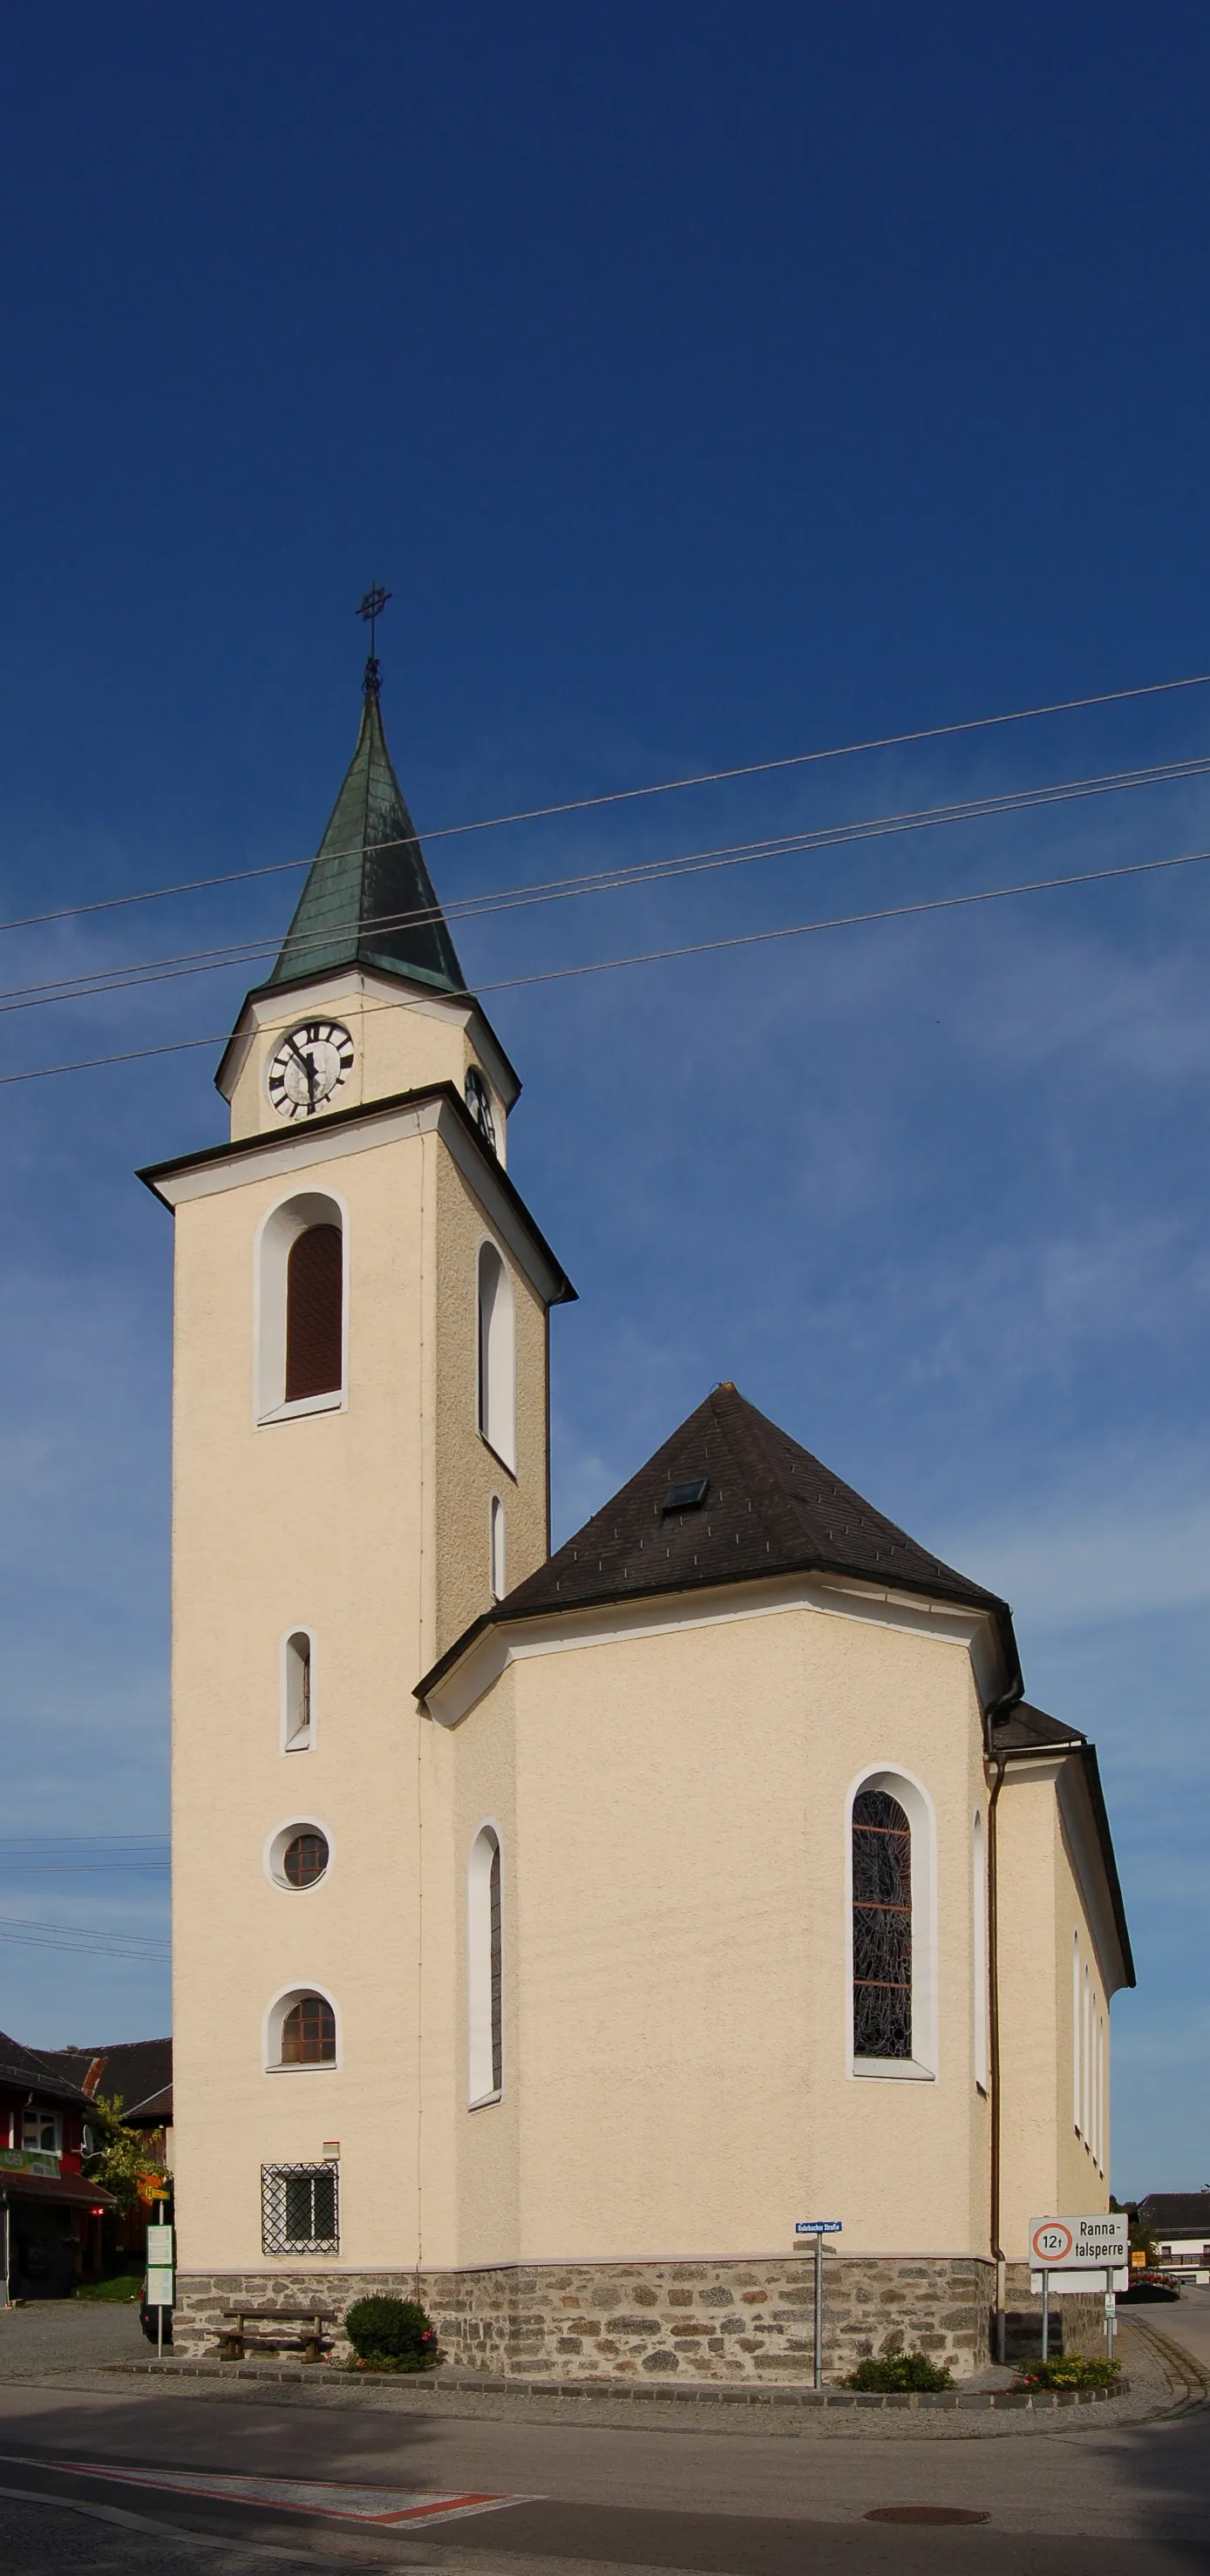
(1051,2243)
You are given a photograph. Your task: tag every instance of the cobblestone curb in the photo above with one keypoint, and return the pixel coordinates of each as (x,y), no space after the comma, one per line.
(677,2393)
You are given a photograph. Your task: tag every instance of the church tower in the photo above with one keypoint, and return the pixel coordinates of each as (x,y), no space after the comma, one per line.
(359,1470)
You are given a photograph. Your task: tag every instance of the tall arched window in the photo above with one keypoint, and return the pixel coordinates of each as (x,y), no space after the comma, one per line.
(882,1927)
(497,1356)
(308,2033)
(314,1317)
(300,1333)
(484,1971)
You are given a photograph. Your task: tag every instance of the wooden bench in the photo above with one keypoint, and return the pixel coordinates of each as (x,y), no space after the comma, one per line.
(309,2338)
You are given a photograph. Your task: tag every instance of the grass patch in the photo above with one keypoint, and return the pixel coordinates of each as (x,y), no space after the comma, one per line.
(123,2285)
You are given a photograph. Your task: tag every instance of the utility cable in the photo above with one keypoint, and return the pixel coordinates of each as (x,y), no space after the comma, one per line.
(665,956)
(626,795)
(96,981)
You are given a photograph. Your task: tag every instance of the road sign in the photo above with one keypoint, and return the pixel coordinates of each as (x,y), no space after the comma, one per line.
(1073,2252)
(159,2267)
(818,2226)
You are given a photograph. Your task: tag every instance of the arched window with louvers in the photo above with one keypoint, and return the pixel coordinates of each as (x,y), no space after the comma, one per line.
(301,1334)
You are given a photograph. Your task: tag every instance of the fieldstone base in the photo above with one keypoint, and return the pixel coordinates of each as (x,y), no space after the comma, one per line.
(1077,2323)
(724,2320)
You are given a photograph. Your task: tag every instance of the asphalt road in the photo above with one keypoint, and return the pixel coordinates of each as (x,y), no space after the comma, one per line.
(162,2480)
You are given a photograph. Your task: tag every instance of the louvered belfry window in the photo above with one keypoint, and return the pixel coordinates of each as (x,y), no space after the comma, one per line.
(882,1927)
(314,1338)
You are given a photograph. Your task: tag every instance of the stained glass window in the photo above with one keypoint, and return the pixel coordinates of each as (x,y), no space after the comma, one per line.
(882,1927)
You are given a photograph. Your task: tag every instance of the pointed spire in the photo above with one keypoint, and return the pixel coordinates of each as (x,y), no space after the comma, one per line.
(369,898)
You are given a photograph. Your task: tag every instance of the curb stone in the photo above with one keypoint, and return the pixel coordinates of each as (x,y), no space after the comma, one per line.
(679,2392)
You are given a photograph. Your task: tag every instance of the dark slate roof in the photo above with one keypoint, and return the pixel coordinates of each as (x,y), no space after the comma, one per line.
(1177,2213)
(131,2070)
(769,1508)
(156,2111)
(1025,1729)
(369,899)
(36,2073)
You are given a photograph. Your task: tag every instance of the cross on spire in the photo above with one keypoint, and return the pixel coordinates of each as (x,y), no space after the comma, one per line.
(371,608)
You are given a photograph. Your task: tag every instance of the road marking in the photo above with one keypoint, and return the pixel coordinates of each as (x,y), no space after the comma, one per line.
(390,2507)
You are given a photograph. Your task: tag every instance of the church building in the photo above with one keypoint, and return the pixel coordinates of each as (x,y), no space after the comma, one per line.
(555,1933)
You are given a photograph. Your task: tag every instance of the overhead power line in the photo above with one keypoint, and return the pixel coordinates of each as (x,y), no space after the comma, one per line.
(95,981)
(630,795)
(665,956)
(80,1936)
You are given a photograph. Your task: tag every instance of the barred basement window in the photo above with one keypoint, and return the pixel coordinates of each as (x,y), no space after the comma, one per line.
(300,2209)
(882,1927)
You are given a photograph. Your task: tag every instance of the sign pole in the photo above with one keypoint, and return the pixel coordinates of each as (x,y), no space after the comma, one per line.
(1045,2313)
(1110,2316)
(819,2312)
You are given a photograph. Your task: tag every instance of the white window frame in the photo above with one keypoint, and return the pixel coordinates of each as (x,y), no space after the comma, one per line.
(275,2014)
(31,2146)
(496,1354)
(293,1739)
(496,1549)
(276,1846)
(480,2086)
(276,1236)
(922,2066)
(979,1977)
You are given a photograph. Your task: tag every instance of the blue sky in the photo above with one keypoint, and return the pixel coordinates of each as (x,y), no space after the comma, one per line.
(708,384)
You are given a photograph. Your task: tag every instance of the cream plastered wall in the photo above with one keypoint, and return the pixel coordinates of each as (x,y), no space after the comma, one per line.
(329,1522)
(468,1472)
(1045,2167)
(402,1041)
(673,1814)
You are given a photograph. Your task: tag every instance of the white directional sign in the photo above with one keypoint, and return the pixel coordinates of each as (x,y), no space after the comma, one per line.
(1077,2253)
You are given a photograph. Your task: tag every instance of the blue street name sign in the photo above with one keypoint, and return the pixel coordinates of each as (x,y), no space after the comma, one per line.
(817,2226)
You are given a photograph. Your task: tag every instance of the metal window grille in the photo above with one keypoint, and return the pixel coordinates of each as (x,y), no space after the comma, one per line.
(300,2209)
(882,1927)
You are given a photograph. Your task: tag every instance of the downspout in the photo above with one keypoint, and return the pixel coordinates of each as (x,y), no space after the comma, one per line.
(999,1708)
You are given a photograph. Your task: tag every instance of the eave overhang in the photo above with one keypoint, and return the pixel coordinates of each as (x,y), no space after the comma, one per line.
(169,1182)
(820,1583)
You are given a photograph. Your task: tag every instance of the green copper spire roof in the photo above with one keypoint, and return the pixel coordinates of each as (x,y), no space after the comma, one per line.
(369,898)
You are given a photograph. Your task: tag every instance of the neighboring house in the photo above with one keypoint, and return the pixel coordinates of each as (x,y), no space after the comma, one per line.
(137,2073)
(1180,2223)
(52,2216)
(554,1933)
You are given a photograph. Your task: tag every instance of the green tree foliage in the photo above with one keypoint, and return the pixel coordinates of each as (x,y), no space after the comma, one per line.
(119,2160)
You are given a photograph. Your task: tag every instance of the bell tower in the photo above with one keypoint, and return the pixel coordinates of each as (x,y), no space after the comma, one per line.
(359,1468)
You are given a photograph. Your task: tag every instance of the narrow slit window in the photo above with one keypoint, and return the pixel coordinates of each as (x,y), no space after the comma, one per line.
(314,1318)
(298,1691)
(485,1971)
(497,1549)
(882,1927)
(497,1355)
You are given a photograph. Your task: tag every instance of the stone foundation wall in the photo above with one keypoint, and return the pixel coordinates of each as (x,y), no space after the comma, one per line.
(700,2320)
(1077,2323)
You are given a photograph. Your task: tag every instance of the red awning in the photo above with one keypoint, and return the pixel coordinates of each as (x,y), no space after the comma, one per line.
(70,2190)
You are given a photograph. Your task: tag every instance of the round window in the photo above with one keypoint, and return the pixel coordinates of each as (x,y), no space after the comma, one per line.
(305,1858)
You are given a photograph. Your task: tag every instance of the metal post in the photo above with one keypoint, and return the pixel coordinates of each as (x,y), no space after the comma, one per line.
(1045,2314)
(819,2312)
(1110,2316)
(159,2334)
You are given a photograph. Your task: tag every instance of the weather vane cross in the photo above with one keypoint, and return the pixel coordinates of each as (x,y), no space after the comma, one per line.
(371,608)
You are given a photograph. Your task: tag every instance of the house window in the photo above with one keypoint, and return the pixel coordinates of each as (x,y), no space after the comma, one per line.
(314,1334)
(497,1549)
(300,2209)
(298,1692)
(882,1927)
(308,2033)
(497,1356)
(40,2130)
(485,1971)
(304,1859)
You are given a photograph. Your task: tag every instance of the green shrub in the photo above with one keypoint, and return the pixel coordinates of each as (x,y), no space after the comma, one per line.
(896,2370)
(1073,2370)
(391,2334)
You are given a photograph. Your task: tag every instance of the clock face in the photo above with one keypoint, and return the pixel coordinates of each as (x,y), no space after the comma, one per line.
(480,1106)
(309,1067)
